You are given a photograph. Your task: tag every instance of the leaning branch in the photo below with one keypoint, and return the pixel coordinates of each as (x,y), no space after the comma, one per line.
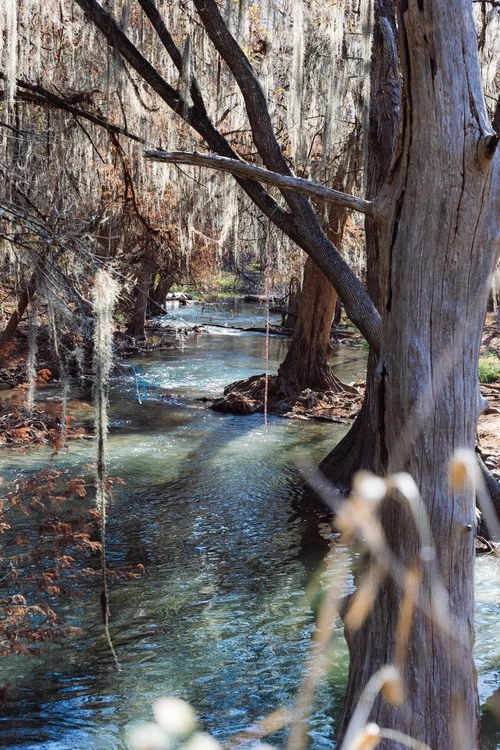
(26,296)
(37,94)
(253,172)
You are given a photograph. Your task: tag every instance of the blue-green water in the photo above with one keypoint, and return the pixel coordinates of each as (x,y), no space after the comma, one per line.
(219,617)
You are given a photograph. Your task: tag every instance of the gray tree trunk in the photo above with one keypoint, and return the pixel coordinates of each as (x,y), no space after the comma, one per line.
(357,448)
(438,227)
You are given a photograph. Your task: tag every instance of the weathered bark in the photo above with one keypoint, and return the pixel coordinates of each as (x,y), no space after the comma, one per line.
(306,363)
(357,449)
(292,311)
(159,294)
(288,182)
(437,222)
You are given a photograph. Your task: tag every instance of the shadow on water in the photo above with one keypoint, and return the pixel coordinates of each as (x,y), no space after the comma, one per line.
(210,509)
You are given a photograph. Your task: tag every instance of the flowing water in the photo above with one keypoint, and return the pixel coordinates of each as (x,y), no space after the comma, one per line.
(220,617)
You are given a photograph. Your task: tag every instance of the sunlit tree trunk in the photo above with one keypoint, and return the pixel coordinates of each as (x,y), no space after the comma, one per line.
(356,450)
(306,364)
(438,227)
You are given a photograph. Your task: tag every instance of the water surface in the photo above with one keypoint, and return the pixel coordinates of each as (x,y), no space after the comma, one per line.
(220,616)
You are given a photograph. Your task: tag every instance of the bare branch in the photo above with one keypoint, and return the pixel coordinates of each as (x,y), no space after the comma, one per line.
(41,96)
(300,224)
(252,171)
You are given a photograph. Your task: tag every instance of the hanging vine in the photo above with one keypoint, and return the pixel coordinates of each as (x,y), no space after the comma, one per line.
(104,297)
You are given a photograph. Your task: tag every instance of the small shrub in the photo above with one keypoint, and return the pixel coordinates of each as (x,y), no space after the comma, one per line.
(489,368)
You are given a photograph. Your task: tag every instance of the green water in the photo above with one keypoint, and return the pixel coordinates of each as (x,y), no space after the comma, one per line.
(219,617)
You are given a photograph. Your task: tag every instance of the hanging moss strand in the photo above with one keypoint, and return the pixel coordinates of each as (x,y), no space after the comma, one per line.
(104,297)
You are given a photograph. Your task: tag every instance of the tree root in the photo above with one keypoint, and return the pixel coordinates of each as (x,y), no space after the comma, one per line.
(247,397)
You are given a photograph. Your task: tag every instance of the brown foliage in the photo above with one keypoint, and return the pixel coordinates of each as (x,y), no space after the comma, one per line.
(48,538)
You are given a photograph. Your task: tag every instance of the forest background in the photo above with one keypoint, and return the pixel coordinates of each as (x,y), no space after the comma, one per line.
(85,94)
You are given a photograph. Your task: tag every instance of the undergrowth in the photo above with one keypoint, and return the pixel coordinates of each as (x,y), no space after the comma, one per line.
(489,368)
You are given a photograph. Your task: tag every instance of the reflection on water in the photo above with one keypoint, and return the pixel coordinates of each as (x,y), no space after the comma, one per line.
(219,617)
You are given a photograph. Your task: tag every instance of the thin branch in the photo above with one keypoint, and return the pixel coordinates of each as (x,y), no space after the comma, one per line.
(38,94)
(252,171)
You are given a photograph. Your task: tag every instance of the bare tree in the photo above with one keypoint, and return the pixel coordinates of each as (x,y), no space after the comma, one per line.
(436,224)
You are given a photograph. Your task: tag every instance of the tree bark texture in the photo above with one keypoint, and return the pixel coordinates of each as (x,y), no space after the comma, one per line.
(438,228)
(159,293)
(306,364)
(288,182)
(26,295)
(137,325)
(356,450)
(293,304)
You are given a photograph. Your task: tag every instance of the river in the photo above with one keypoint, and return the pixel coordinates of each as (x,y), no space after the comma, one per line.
(219,617)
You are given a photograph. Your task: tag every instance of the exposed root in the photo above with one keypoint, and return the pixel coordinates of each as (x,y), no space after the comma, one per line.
(42,426)
(247,397)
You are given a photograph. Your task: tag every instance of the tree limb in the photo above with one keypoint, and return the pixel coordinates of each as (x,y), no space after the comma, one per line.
(301,224)
(254,172)
(307,232)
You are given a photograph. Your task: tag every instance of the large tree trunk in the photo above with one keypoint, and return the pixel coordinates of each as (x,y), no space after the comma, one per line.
(306,364)
(356,450)
(293,304)
(437,224)
(159,293)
